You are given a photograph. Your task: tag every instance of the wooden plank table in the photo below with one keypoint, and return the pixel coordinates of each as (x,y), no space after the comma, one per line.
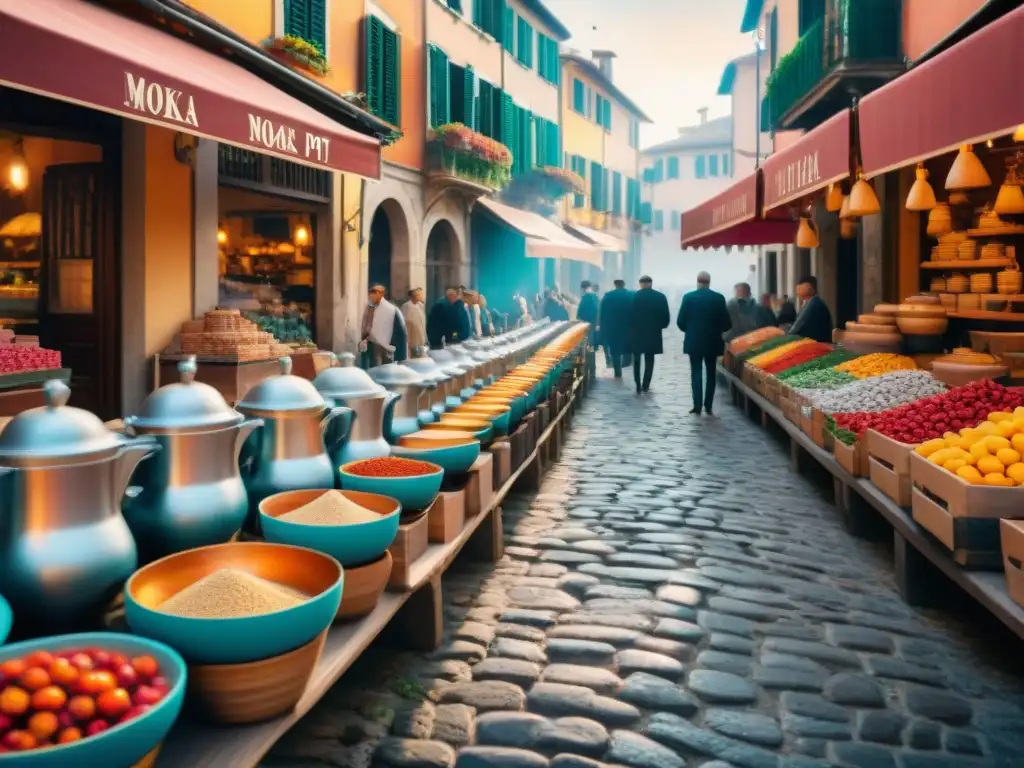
(917,555)
(193,744)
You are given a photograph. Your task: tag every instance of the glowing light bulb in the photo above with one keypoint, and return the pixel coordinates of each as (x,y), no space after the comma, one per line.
(222,237)
(301,236)
(17,176)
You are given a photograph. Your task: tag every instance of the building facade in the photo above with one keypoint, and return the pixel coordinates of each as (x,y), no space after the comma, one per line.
(601,128)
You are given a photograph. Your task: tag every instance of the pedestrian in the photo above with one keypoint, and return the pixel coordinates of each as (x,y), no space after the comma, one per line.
(554,309)
(588,309)
(648,317)
(472,301)
(384,337)
(415,317)
(742,312)
(787,312)
(487,318)
(613,319)
(596,289)
(447,320)
(704,319)
(766,315)
(521,310)
(815,320)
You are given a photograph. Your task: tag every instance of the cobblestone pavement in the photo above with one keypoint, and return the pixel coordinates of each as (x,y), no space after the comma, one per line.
(675,596)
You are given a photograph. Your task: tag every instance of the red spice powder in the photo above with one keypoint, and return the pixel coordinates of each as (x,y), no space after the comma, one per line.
(391,466)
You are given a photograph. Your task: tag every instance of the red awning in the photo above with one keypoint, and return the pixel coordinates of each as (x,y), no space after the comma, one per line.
(966,95)
(731,218)
(821,157)
(79,52)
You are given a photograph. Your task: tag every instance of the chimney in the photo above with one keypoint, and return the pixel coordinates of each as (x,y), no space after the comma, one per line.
(703,112)
(603,59)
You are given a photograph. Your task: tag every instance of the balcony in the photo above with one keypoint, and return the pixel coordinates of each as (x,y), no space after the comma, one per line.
(854,49)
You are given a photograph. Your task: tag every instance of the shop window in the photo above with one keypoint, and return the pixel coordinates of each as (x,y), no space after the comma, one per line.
(712,165)
(673,167)
(699,167)
(307,19)
(266,267)
(726,170)
(462,94)
(382,71)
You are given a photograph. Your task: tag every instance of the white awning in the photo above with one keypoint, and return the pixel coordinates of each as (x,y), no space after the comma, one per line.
(602,240)
(544,238)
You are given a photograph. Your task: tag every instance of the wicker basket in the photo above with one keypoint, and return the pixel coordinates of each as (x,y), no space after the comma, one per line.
(1010,280)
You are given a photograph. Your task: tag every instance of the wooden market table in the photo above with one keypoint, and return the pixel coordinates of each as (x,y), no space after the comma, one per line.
(860,503)
(418,611)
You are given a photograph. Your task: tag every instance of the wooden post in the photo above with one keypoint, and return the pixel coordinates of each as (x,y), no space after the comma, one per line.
(419,625)
(487,544)
(919,582)
(529,479)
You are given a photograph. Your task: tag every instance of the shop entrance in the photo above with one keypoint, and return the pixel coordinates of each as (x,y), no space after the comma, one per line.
(442,260)
(380,249)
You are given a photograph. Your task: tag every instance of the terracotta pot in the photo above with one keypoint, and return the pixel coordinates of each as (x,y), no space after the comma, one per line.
(922,326)
(959,374)
(363,587)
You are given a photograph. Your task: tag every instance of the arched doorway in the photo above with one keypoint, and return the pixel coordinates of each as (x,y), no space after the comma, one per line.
(380,249)
(442,259)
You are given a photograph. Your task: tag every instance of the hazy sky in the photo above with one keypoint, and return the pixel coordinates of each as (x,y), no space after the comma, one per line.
(671,53)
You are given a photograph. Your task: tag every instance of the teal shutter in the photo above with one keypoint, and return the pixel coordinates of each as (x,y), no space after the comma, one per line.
(373,84)
(673,167)
(616,193)
(318,24)
(542,55)
(392,77)
(596,177)
(526,139)
(676,218)
(296,18)
(579,165)
(485,110)
(607,115)
(578,96)
(468,97)
(508,27)
(524,42)
(440,87)
(541,140)
(507,119)
(455,5)
(645,213)
(659,221)
(699,167)
(712,165)
(659,171)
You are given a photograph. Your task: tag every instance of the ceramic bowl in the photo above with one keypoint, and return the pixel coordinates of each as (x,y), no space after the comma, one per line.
(241,639)
(922,326)
(122,745)
(500,417)
(237,694)
(6,619)
(414,493)
(350,545)
(479,430)
(363,587)
(960,374)
(453,454)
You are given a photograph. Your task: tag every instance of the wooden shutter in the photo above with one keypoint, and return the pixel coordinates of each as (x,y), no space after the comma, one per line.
(485,110)
(507,118)
(392,77)
(317,29)
(542,55)
(373,44)
(468,96)
(440,87)
(578,95)
(508,30)
(541,140)
(607,115)
(616,193)
(296,18)
(526,139)
(580,166)
(596,177)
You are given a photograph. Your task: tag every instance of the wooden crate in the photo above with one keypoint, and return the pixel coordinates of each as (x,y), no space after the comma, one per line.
(852,458)
(963,517)
(501,451)
(889,466)
(480,485)
(821,438)
(446,517)
(1012,539)
(410,544)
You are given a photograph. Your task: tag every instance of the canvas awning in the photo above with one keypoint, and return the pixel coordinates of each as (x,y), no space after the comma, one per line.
(602,240)
(818,158)
(544,238)
(82,53)
(732,218)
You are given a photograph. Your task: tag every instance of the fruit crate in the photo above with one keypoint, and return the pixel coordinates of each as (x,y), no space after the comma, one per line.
(964,518)
(889,466)
(1012,540)
(852,458)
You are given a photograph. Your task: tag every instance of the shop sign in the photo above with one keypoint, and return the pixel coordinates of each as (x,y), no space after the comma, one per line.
(729,210)
(797,176)
(282,138)
(159,101)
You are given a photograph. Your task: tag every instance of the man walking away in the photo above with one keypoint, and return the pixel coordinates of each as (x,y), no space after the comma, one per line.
(415,320)
(704,318)
(648,317)
(742,312)
(814,321)
(587,311)
(554,309)
(765,314)
(384,338)
(613,317)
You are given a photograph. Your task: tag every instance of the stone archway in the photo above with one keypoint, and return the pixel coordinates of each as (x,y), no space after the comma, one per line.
(388,245)
(443,259)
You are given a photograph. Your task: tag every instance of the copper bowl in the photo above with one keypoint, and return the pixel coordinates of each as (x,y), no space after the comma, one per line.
(466,422)
(363,587)
(425,440)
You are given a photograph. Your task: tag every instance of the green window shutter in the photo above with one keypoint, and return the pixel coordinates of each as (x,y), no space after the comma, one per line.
(485,110)
(616,193)
(674,215)
(578,96)
(597,104)
(725,165)
(607,115)
(373,45)
(659,170)
(508,27)
(712,165)
(505,119)
(542,55)
(440,87)
(526,140)
(524,42)
(698,169)
(392,77)
(645,213)
(478,13)
(455,5)
(659,221)
(468,96)
(580,167)
(596,180)
(541,140)
(673,167)
(317,33)
(296,18)
(554,143)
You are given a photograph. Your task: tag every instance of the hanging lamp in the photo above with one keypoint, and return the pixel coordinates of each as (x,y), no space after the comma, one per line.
(967,172)
(806,235)
(922,196)
(834,198)
(844,209)
(1010,199)
(863,200)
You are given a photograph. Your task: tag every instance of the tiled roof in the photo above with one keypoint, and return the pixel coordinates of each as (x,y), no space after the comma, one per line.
(713,133)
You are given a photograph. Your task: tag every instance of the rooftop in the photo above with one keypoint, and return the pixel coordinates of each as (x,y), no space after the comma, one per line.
(593,71)
(713,133)
(729,73)
(541,11)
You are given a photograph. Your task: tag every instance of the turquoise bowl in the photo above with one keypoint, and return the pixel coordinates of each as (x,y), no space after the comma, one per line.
(454,456)
(121,746)
(414,493)
(6,619)
(351,545)
(241,639)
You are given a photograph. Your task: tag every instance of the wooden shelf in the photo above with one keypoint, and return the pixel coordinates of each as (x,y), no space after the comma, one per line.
(1004,232)
(986,314)
(966,265)
(193,744)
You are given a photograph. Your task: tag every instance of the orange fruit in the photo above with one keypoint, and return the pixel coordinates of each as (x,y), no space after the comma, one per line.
(98,681)
(39,659)
(63,672)
(14,701)
(146,666)
(12,669)
(51,698)
(68,735)
(34,678)
(113,704)
(43,725)
(82,708)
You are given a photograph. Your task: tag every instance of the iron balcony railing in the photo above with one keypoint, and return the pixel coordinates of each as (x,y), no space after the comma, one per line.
(852,32)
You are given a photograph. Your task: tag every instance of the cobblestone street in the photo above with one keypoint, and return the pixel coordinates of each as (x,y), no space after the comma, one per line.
(676,596)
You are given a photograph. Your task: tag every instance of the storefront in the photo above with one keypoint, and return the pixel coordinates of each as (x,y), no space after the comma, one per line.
(99,119)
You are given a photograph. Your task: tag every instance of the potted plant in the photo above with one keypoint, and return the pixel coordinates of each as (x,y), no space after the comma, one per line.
(300,53)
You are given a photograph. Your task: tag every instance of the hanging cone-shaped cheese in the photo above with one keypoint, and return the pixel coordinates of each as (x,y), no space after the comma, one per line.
(834,198)
(863,200)
(967,172)
(922,196)
(806,237)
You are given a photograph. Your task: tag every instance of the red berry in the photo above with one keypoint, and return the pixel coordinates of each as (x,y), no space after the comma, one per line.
(127,677)
(146,695)
(96,726)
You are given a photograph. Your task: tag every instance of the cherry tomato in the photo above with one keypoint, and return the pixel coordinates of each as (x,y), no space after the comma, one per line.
(34,678)
(68,735)
(112,704)
(43,725)
(52,698)
(14,701)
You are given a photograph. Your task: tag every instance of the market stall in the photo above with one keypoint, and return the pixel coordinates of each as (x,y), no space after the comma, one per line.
(260,549)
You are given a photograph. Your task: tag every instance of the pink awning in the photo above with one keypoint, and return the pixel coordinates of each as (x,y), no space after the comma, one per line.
(79,52)
(731,218)
(817,159)
(544,238)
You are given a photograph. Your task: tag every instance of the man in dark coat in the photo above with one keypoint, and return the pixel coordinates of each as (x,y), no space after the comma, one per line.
(648,317)
(787,313)
(554,309)
(613,318)
(814,320)
(448,321)
(704,318)
(588,309)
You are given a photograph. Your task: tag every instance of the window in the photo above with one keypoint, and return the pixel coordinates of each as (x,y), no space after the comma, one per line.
(712,165)
(440,86)
(603,112)
(524,43)
(674,215)
(579,165)
(307,19)
(725,164)
(589,102)
(579,96)
(634,133)
(485,106)
(698,167)
(548,141)
(599,116)
(607,116)
(645,213)
(659,221)
(455,5)
(508,30)
(382,71)
(773,38)
(632,199)
(548,63)
(616,193)
(489,17)
(673,167)
(462,95)
(659,171)
(598,191)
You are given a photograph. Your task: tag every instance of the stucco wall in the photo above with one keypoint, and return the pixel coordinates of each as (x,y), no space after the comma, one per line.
(927,22)
(745,123)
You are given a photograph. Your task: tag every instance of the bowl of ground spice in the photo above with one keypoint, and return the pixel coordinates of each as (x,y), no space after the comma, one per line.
(353,527)
(235,603)
(413,482)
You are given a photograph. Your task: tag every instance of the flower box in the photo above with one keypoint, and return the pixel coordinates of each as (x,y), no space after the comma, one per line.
(457,151)
(299,53)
